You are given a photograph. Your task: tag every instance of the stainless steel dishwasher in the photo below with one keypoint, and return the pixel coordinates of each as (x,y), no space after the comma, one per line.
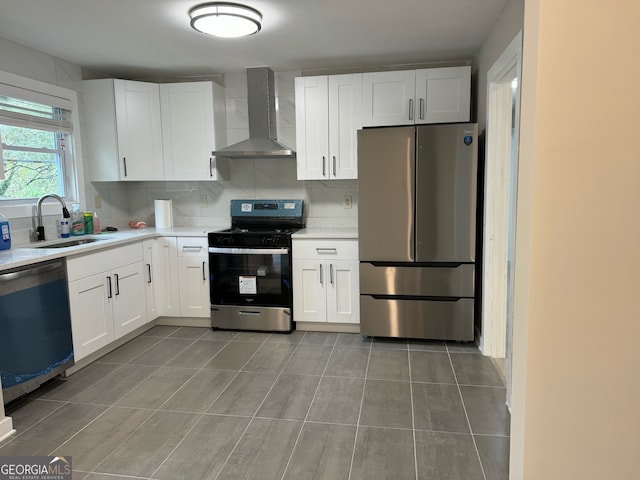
(35,326)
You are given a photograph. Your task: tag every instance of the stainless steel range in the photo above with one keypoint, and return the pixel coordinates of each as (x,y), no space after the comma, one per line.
(250,266)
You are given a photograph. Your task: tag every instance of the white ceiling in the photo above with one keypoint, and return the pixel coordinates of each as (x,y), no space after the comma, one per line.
(145,39)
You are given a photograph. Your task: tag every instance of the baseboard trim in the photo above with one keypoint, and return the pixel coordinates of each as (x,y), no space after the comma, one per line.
(6,428)
(327,327)
(185,321)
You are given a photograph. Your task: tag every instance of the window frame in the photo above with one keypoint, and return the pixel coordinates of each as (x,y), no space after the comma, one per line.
(14,85)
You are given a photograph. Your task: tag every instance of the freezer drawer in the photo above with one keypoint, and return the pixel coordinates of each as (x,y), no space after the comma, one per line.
(425,319)
(432,281)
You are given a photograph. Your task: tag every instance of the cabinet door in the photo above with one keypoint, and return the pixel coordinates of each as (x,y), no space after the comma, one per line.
(343,302)
(310,279)
(194,286)
(90,302)
(167,282)
(188,127)
(129,308)
(388,98)
(152,272)
(312,127)
(345,119)
(443,94)
(139,131)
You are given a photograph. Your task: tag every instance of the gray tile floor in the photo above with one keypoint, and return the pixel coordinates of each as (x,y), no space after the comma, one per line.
(191,403)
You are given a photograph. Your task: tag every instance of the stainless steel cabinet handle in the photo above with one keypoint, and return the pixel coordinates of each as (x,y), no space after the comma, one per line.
(331,273)
(124,161)
(321,275)
(149,272)
(117,284)
(324,169)
(211,166)
(204,275)
(422,109)
(411,109)
(110,294)
(321,250)
(334,165)
(191,247)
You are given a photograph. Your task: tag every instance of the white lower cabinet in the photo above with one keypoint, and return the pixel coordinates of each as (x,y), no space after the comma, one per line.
(193,276)
(129,308)
(326,281)
(154,272)
(91,315)
(108,303)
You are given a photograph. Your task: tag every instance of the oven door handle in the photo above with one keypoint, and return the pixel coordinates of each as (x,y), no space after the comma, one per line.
(250,251)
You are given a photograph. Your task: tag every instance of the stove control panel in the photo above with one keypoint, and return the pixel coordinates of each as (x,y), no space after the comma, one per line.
(266,208)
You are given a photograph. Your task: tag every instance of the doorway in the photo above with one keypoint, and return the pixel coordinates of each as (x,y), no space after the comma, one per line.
(501,172)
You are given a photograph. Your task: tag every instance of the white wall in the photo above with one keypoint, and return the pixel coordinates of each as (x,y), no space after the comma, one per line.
(577,308)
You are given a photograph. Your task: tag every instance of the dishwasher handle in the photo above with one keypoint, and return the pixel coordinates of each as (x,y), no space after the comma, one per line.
(30,271)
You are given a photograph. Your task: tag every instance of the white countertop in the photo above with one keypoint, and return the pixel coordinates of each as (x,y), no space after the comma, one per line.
(27,254)
(326,233)
(37,252)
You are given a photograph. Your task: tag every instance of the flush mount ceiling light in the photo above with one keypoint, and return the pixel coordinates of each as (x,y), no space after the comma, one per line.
(223,19)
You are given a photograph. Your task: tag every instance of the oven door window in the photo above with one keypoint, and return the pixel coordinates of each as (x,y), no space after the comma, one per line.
(250,276)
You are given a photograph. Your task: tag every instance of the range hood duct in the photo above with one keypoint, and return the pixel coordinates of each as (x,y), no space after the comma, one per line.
(262,121)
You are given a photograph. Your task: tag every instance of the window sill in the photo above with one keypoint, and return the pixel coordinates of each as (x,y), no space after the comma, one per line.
(28,210)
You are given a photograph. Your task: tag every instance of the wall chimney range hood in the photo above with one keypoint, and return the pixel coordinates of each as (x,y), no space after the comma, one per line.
(262,121)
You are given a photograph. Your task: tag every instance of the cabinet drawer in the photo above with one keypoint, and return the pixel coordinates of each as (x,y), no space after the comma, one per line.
(93,263)
(325,249)
(192,246)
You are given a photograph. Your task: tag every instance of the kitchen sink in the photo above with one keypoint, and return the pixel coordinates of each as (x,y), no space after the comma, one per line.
(68,243)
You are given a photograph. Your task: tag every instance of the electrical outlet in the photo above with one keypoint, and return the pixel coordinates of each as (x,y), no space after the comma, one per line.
(203,200)
(346,201)
(97,200)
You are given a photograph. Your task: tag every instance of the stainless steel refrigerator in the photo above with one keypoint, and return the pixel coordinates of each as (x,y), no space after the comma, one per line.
(417,231)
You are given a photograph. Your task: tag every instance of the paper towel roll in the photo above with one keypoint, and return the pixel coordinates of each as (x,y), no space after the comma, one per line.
(164,213)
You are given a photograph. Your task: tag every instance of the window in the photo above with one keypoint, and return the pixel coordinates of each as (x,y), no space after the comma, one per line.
(36,141)
(33,149)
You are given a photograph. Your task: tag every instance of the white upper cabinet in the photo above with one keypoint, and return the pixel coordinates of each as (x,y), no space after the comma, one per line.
(123,129)
(407,97)
(388,98)
(443,95)
(193,126)
(328,116)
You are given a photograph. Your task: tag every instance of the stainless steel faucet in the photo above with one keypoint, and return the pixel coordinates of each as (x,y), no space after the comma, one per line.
(40,227)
